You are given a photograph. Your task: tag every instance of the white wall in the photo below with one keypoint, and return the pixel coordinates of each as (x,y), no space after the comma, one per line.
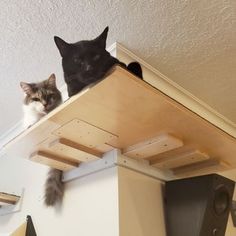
(92,199)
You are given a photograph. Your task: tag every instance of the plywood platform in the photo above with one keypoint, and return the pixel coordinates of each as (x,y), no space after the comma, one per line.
(125,112)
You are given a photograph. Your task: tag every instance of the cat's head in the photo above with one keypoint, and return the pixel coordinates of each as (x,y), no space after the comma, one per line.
(85,61)
(43,96)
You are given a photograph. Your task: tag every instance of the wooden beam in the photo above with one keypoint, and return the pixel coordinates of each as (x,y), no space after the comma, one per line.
(53,161)
(182,159)
(154,146)
(204,167)
(81,153)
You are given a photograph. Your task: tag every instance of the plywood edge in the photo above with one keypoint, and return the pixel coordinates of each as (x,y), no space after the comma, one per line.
(53,161)
(8,198)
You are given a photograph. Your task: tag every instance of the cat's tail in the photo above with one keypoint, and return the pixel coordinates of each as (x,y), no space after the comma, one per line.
(136,69)
(54,188)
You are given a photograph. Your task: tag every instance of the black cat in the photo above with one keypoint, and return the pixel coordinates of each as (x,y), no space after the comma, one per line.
(87,61)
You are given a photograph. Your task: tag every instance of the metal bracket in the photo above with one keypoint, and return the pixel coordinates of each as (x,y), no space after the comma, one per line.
(115,158)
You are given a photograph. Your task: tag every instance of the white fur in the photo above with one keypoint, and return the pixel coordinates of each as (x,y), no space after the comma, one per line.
(32,113)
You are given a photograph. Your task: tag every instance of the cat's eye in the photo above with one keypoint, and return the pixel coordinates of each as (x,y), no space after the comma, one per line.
(36,99)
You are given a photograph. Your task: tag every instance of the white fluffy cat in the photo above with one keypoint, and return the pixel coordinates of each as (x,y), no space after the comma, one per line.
(40,99)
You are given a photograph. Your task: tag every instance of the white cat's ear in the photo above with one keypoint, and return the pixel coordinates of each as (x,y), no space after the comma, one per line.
(26,88)
(61,45)
(52,80)
(102,38)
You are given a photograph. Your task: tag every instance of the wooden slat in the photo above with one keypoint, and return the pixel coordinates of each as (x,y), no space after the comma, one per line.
(8,198)
(65,147)
(53,161)
(154,146)
(174,161)
(205,167)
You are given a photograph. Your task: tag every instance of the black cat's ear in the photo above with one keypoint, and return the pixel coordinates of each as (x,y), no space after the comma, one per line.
(26,88)
(61,45)
(51,81)
(102,38)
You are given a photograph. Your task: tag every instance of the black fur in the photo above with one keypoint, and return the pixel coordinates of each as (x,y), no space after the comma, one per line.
(87,61)
(136,69)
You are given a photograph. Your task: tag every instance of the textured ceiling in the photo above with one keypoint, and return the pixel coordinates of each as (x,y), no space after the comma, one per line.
(191,42)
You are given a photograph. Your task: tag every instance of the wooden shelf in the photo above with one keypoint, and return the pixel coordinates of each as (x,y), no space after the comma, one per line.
(8,199)
(127,113)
